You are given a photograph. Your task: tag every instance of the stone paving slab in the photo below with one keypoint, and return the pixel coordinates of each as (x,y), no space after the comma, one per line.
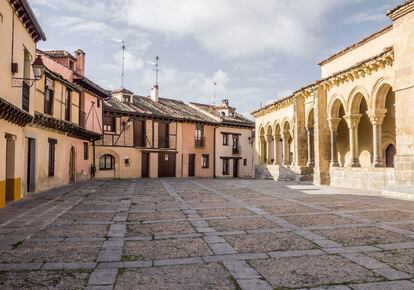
(363,236)
(207,276)
(282,241)
(176,248)
(311,271)
(44,279)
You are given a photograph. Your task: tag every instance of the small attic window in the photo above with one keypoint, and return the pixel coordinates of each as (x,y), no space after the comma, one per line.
(127,98)
(223,113)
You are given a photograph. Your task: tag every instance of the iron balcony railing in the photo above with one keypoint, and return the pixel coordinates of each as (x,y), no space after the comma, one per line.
(140,141)
(236,150)
(163,142)
(199,142)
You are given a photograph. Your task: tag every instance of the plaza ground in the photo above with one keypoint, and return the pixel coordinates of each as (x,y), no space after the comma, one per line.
(206,234)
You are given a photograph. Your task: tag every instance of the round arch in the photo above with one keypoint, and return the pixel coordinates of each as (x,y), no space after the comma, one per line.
(355,99)
(335,106)
(380,92)
(113,154)
(310,118)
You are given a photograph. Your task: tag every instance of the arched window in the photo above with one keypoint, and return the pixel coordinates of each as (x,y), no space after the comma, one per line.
(106,162)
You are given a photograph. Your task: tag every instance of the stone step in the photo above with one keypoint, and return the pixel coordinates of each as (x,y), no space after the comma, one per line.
(398,192)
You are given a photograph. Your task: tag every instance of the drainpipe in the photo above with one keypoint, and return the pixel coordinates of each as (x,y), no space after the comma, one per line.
(94,161)
(214,153)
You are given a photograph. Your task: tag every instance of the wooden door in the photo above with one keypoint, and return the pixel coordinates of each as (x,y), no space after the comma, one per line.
(235,167)
(145,165)
(31,165)
(191,165)
(166,164)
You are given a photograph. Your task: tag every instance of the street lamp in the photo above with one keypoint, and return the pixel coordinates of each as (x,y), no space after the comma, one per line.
(38,71)
(38,68)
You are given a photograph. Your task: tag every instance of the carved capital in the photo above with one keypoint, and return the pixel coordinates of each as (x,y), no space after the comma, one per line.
(333,124)
(377,116)
(286,135)
(276,136)
(269,138)
(353,120)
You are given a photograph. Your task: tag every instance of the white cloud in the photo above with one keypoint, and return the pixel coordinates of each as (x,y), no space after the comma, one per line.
(378,14)
(132,62)
(220,78)
(236,27)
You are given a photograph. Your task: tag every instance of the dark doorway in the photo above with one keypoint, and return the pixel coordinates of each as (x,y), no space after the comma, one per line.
(389,155)
(191,165)
(235,167)
(72,166)
(31,165)
(145,165)
(166,164)
(11,189)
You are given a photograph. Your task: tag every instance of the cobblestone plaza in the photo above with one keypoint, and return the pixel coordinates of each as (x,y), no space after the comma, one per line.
(206,234)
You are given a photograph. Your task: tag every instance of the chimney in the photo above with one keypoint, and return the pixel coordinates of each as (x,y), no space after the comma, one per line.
(80,62)
(155,93)
(225,102)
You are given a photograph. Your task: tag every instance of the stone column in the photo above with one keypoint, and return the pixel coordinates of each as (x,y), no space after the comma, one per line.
(377,117)
(276,140)
(310,140)
(333,128)
(353,121)
(269,139)
(286,153)
(261,149)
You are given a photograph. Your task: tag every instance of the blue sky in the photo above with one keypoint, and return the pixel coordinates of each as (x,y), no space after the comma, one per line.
(256,50)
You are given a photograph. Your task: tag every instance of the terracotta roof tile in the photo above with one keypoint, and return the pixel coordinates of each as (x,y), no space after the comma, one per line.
(58,54)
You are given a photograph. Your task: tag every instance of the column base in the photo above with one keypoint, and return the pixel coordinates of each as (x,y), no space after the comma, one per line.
(377,164)
(355,165)
(334,164)
(310,164)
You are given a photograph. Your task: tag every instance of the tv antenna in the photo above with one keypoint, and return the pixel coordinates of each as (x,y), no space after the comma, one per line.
(123,65)
(156,69)
(214,92)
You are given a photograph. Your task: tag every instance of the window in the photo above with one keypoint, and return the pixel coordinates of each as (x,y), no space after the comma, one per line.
(109,124)
(127,98)
(225,139)
(139,133)
(199,131)
(98,103)
(205,161)
(225,167)
(245,162)
(26,82)
(85,150)
(106,162)
(68,103)
(48,108)
(51,165)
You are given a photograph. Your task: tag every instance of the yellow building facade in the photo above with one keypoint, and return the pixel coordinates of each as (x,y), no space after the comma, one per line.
(19,32)
(352,128)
